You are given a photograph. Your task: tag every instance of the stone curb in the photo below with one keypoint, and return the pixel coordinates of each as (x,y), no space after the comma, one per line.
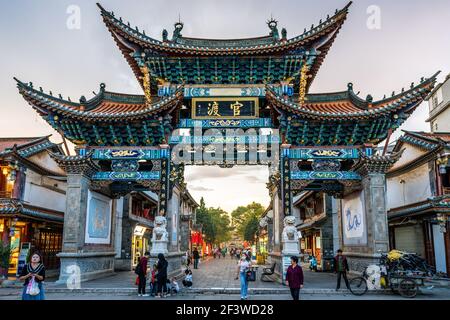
(261,291)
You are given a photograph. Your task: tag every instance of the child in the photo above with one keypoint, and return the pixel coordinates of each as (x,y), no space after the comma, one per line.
(168,288)
(174,287)
(187,282)
(153,284)
(313,263)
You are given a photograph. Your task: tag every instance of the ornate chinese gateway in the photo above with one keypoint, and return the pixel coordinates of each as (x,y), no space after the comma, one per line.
(224,102)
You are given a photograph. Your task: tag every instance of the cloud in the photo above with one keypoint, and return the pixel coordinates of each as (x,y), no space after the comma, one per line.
(199,188)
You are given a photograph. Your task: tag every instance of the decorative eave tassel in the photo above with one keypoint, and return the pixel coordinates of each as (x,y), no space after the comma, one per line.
(147,84)
(303,84)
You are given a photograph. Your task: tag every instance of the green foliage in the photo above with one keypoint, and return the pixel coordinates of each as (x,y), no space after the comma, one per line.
(5,254)
(216,225)
(245,220)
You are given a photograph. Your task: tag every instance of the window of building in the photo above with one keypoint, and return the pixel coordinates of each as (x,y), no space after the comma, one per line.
(434,126)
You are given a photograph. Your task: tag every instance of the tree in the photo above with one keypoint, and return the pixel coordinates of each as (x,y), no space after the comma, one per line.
(246,219)
(251,228)
(216,225)
(5,254)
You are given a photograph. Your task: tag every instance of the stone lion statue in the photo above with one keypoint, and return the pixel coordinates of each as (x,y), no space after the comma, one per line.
(290,231)
(159,231)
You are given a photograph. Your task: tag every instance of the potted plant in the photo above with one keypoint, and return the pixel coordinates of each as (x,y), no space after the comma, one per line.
(5,254)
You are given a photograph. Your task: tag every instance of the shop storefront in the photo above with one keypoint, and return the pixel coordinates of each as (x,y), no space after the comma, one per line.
(140,244)
(24,236)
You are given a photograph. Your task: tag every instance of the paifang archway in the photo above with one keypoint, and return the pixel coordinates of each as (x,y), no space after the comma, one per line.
(324,142)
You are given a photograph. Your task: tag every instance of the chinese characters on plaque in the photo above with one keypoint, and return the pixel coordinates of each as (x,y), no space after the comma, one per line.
(225,108)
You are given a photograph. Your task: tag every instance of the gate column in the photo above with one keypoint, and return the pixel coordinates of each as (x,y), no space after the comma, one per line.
(363,214)
(82,258)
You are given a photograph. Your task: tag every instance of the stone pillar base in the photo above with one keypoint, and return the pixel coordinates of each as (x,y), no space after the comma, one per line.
(290,247)
(357,262)
(175,260)
(122,265)
(85,266)
(159,246)
(276,257)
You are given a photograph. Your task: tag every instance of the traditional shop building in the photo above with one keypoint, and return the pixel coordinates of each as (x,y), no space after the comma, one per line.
(136,224)
(321,142)
(32,200)
(316,212)
(419,198)
(419,186)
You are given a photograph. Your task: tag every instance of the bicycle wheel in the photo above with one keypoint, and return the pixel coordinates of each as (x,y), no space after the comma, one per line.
(408,288)
(358,286)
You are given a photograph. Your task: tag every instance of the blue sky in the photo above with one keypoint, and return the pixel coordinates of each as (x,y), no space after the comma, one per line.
(37,46)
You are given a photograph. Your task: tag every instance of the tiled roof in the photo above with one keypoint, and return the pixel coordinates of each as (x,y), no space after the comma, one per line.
(105,106)
(8,143)
(320,38)
(251,46)
(425,140)
(346,105)
(440,204)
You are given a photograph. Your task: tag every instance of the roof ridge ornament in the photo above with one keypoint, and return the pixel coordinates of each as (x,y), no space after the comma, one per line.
(177,31)
(272,24)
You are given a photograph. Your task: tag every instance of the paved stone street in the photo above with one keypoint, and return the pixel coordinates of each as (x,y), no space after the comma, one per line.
(214,280)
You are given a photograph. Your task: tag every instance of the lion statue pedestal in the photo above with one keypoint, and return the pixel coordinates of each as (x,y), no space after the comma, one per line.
(290,237)
(160,237)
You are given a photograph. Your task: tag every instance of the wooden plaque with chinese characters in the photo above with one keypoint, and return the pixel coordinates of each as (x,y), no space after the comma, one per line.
(220,108)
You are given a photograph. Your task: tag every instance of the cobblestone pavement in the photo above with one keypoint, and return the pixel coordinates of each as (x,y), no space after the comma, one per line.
(435,295)
(222,272)
(214,273)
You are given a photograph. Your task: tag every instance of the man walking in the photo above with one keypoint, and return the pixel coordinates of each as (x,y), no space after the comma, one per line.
(196,256)
(341,268)
(294,278)
(141,270)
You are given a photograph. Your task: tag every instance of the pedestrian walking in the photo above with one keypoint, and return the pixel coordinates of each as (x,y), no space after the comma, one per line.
(141,271)
(294,278)
(238,254)
(196,257)
(341,268)
(187,259)
(161,276)
(244,265)
(33,273)
(224,252)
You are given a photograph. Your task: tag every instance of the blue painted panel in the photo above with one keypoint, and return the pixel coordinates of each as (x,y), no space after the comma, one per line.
(324,175)
(316,153)
(126,176)
(126,154)
(226,123)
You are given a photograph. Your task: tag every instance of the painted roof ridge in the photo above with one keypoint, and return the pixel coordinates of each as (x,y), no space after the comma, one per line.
(337,17)
(423,82)
(77,112)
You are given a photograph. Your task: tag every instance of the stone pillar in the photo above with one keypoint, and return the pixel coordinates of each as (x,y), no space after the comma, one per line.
(364,250)
(75,215)
(123,262)
(185,232)
(83,260)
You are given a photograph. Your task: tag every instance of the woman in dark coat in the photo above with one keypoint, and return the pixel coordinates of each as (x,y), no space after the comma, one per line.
(161,276)
(33,270)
